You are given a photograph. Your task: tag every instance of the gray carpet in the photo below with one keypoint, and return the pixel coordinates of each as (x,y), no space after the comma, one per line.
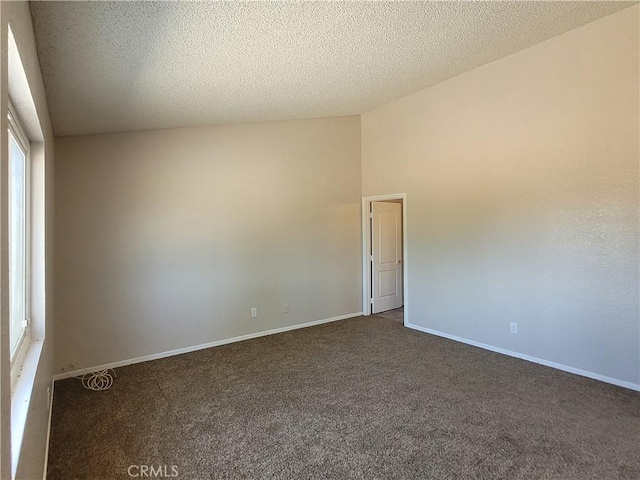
(395,314)
(362,398)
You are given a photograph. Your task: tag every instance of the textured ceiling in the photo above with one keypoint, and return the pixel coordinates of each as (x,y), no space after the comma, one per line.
(119,66)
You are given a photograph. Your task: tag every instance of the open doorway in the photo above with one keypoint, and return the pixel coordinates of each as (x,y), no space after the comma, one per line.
(384,256)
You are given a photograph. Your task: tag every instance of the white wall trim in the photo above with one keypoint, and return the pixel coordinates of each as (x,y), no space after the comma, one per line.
(366,288)
(217,343)
(46,447)
(529,358)
(21,399)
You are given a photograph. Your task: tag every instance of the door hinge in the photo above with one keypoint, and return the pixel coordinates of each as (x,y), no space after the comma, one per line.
(25,323)
(371,257)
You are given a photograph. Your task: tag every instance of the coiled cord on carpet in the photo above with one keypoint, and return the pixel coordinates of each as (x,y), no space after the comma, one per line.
(98,381)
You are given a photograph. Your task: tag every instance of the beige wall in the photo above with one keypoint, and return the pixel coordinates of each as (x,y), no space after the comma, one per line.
(166,239)
(32,454)
(522,192)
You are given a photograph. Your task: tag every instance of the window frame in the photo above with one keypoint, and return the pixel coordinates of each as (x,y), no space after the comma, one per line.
(18,356)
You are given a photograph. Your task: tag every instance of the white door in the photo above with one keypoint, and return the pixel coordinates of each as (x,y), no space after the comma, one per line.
(386,242)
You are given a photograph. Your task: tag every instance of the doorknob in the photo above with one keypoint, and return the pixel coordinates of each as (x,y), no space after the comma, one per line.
(399,261)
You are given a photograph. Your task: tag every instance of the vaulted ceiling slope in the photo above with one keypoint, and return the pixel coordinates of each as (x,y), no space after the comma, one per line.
(121,66)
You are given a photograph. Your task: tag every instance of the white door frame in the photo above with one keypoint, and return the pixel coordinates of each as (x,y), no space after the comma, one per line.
(366,245)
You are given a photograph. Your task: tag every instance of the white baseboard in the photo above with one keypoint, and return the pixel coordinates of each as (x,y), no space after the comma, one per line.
(216,343)
(46,447)
(559,366)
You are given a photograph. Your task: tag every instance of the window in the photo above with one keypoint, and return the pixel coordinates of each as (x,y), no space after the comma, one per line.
(19,245)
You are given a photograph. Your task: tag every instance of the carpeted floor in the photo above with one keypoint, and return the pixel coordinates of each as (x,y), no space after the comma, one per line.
(395,314)
(362,398)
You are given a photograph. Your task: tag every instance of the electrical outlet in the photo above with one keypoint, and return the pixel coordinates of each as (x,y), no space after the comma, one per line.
(254,312)
(513,328)
(286,308)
